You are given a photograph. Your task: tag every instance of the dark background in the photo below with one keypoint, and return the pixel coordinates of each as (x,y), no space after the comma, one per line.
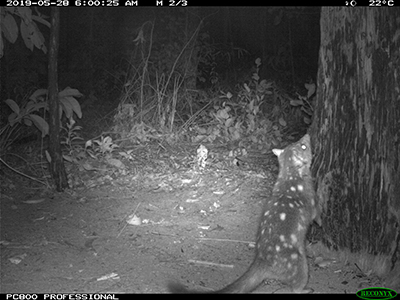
(96,44)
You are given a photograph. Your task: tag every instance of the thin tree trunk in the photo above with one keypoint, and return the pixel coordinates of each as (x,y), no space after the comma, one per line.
(57,168)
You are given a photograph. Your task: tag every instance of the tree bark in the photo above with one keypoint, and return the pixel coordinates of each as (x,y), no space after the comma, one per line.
(57,168)
(356,132)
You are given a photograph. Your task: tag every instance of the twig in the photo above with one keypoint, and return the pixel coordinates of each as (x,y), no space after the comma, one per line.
(225,240)
(20,173)
(207,263)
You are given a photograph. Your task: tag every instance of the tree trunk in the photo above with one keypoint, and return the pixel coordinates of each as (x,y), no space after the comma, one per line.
(57,169)
(356,132)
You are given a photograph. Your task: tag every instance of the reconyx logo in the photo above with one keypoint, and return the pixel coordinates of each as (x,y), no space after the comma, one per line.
(376,293)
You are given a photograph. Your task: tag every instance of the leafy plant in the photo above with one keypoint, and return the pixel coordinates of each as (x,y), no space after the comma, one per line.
(306,102)
(28,114)
(238,116)
(104,146)
(213,58)
(29,31)
(71,136)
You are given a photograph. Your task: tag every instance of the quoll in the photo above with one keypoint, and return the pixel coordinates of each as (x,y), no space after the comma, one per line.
(287,214)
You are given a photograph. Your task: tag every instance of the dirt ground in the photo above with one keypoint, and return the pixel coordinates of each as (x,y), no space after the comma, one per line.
(194,227)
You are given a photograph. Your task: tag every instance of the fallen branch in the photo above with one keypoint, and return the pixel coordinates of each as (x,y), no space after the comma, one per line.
(207,263)
(226,240)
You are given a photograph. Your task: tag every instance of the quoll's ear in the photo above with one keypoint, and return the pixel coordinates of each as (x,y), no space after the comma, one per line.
(277,152)
(306,139)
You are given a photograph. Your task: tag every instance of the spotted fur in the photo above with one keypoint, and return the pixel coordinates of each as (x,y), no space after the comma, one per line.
(280,246)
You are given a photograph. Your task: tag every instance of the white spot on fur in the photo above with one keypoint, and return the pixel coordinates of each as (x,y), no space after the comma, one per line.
(292,188)
(293,238)
(277,248)
(300,187)
(294,256)
(291,205)
(266,213)
(282,216)
(282,238)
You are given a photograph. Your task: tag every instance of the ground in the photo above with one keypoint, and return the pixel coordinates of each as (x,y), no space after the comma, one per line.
(193,226)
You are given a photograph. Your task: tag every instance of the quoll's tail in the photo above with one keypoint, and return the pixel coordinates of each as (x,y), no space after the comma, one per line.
(248,282)
(178,288)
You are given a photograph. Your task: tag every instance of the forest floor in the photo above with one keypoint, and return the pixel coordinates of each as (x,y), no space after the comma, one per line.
(193,227)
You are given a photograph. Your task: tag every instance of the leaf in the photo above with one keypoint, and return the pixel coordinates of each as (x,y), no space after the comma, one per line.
(48,157)
(14,106)
(30,33)
(246,87)
(256,110)
(69,92)
(251,105)
(311,89)
(87,166)
(12,119)
(9,28)
(73,104)
(25,13)
(38,93)
(40,123)
(88,143)
(116,163)
(201,130)
(37,37)
(307,111)
(296,102)
(26,36)
(67,108)
(32,106)
(27,122)
(60,110)
(124,155)
(41,20)
(222,113)
(229,122)
(68,158)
